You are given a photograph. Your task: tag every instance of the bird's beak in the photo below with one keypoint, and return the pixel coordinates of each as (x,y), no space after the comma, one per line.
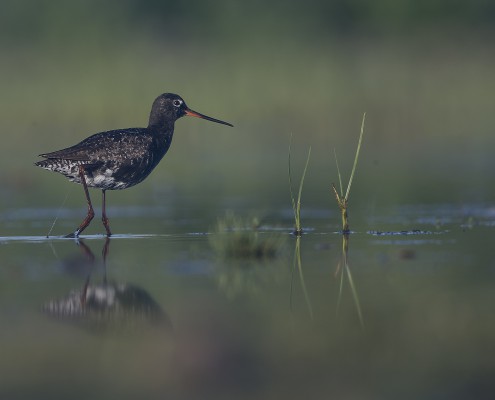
(192,113)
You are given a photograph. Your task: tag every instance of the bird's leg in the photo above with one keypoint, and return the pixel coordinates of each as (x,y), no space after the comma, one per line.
(91,212)
(104,214)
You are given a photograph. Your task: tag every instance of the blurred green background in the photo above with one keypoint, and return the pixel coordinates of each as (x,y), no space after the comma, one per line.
(422,70)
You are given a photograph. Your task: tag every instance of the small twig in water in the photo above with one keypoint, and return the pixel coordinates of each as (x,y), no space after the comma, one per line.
(58,213)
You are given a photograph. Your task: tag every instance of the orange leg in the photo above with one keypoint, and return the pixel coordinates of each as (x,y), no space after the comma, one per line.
(104,215)
(91,212)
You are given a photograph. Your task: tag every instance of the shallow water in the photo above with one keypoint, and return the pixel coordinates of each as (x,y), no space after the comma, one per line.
(407,312)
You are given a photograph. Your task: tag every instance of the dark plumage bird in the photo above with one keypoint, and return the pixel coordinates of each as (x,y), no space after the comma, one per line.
(121,158)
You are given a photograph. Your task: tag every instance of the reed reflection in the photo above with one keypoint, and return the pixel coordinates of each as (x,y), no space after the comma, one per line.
(297,264)
(343,272)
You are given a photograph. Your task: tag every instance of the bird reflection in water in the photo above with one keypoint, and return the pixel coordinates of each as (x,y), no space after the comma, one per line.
(109,305)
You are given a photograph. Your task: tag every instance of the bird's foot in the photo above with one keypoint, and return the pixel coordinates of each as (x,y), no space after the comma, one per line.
(106,224)
(73,235)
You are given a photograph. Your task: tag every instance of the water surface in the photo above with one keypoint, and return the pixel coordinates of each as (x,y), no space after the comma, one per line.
(407,312)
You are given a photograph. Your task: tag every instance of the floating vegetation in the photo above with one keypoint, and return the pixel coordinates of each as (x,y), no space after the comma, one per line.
(235,237)
(296,206)
(403,233)
(343,200)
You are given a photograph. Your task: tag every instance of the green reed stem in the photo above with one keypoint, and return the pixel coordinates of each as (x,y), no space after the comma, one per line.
(296,206)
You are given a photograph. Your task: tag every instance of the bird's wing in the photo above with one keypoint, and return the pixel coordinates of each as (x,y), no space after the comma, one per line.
(71,153)
(103,146)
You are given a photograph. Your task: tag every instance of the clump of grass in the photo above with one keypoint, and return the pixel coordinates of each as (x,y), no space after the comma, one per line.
(296,206)
(239,238)
(343,200)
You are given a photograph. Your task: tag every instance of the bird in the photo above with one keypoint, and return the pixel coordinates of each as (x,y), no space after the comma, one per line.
(121,158)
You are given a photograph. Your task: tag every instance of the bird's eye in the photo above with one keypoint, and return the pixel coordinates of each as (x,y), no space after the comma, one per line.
(177,103)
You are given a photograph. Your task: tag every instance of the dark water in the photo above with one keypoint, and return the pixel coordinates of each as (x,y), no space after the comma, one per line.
(404,309)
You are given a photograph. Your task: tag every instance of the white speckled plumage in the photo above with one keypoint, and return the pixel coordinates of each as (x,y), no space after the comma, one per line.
(112,160)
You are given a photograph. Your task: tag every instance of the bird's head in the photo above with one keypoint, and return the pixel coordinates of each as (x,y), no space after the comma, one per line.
(169,107)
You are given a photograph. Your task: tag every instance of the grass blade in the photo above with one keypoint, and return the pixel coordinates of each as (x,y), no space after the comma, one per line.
(302,178)
(296,207)
(290,181)
(338,172)
(346,198)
